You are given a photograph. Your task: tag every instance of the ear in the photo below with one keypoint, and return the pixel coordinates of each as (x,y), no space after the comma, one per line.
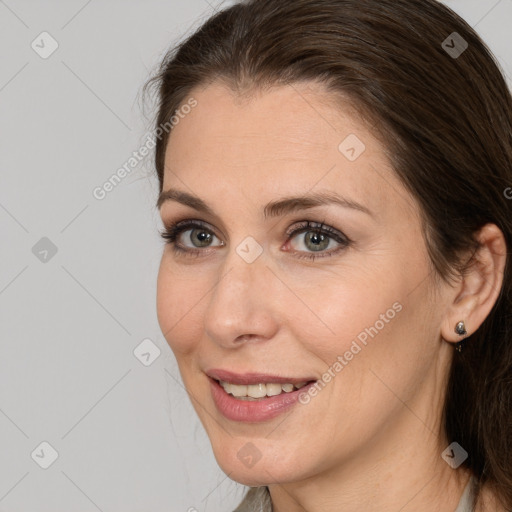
(477,292)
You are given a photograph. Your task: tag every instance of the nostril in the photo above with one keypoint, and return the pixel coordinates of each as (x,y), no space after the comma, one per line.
(245,337)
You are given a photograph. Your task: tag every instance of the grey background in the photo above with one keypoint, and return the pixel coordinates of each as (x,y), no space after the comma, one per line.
(126,434)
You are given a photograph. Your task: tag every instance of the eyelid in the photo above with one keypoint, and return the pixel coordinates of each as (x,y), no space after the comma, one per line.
(316,226)
(293,229)
(175,229)
(185,221)
(343,241)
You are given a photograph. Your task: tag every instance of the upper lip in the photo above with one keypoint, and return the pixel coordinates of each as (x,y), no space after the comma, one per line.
(253,377)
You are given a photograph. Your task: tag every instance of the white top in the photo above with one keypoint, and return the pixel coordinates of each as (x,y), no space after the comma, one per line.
(466,500)
(258,500)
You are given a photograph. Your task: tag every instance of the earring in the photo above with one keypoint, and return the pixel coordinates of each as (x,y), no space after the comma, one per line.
(460,329)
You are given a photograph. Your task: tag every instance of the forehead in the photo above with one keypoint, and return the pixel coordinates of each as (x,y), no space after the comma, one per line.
(292,138)
(300,118)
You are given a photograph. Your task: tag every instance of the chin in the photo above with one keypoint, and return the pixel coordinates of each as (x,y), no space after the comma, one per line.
(246,464)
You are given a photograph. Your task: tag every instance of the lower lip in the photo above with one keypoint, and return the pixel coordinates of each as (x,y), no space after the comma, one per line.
(253,411)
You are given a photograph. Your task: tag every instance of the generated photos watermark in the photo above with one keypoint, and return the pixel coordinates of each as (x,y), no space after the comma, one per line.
(100,192)
(355,348)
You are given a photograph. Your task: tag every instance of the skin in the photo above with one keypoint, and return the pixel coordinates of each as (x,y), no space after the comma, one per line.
(372,438)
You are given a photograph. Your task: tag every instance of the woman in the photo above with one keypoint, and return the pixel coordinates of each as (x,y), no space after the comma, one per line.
(336,287)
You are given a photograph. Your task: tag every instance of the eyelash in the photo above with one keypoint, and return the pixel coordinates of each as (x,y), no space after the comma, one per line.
(173,230)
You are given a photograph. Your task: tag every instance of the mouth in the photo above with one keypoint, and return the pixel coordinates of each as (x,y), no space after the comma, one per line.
(259,391)
(255,397)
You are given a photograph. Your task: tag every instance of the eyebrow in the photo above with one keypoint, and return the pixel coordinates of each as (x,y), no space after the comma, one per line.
(271,209)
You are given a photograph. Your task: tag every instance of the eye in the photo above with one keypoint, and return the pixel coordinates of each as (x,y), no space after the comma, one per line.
(200,236)
(317,239)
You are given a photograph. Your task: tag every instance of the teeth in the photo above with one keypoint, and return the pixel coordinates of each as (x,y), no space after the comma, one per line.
(254,391)
(274,389)
(234,389)
(257,390)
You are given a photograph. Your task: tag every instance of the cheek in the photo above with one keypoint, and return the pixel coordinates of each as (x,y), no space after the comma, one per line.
(381,350)
(364,323)
(358,327)
(372,300)
(178,302)
(355,305)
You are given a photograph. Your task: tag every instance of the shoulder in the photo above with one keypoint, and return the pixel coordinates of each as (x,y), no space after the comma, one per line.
(257,499)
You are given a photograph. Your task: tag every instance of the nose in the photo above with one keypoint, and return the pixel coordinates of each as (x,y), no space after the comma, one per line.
(240,308)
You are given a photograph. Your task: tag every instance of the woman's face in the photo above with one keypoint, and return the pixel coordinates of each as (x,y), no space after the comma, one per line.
(243,301)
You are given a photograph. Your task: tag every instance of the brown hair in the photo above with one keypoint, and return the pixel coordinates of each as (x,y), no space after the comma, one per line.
(446,121)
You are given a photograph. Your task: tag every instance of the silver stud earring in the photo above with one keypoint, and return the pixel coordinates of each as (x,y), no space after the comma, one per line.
(460,329)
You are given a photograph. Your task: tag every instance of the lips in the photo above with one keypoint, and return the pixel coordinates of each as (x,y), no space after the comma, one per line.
(258,397)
